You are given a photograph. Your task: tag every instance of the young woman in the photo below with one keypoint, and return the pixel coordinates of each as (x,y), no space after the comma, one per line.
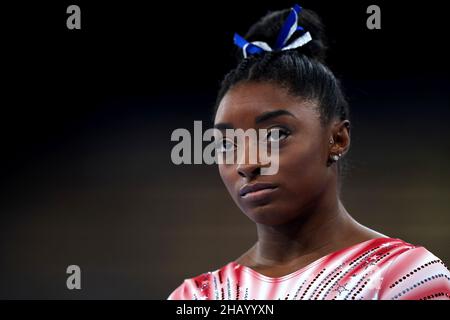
(309,246)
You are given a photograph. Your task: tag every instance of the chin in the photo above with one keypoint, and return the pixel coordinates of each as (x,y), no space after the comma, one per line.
(267,214)
(274,214)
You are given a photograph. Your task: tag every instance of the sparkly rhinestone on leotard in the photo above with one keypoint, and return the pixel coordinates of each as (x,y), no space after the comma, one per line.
(377,269)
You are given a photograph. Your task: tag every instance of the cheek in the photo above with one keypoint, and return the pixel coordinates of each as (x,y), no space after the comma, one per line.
(226,173)
(303,168)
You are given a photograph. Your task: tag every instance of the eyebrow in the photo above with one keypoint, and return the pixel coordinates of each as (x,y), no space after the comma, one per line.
(272,114)
(265,116)
(223,126)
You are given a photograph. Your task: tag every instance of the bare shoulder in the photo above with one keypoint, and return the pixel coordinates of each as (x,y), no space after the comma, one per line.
(363,233)
(246,258)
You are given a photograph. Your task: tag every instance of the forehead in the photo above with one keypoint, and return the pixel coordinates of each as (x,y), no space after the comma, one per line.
(242,103)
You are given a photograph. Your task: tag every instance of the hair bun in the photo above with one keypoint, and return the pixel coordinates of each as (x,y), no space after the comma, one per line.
(269,26)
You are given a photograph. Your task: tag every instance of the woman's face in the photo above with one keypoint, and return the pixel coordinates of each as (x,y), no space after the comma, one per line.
(304,149)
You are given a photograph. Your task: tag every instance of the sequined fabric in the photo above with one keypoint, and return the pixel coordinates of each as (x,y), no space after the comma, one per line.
(377,269)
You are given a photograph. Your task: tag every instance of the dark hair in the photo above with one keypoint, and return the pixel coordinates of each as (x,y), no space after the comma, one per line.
(302,71)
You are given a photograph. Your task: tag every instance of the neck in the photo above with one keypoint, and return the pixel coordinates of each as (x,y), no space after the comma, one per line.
(318,231)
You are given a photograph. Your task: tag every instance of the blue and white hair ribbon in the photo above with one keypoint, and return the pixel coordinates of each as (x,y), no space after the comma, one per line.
(286,32)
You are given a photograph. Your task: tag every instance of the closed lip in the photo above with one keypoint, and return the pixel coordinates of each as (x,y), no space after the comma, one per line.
(247,188)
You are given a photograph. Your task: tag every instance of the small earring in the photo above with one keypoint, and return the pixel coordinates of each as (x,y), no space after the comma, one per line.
(331,141)
(336,157)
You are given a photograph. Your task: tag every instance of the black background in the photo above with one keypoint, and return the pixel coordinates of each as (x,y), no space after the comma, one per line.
(86,113)
(54,77)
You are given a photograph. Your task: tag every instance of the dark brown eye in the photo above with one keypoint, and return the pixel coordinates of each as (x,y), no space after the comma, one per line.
(225,145)
(276,134)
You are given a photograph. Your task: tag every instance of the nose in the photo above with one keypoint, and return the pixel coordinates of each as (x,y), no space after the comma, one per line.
(248,167)
(249,170)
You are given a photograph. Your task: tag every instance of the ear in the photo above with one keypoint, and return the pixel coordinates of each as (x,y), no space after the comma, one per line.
(340,133)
